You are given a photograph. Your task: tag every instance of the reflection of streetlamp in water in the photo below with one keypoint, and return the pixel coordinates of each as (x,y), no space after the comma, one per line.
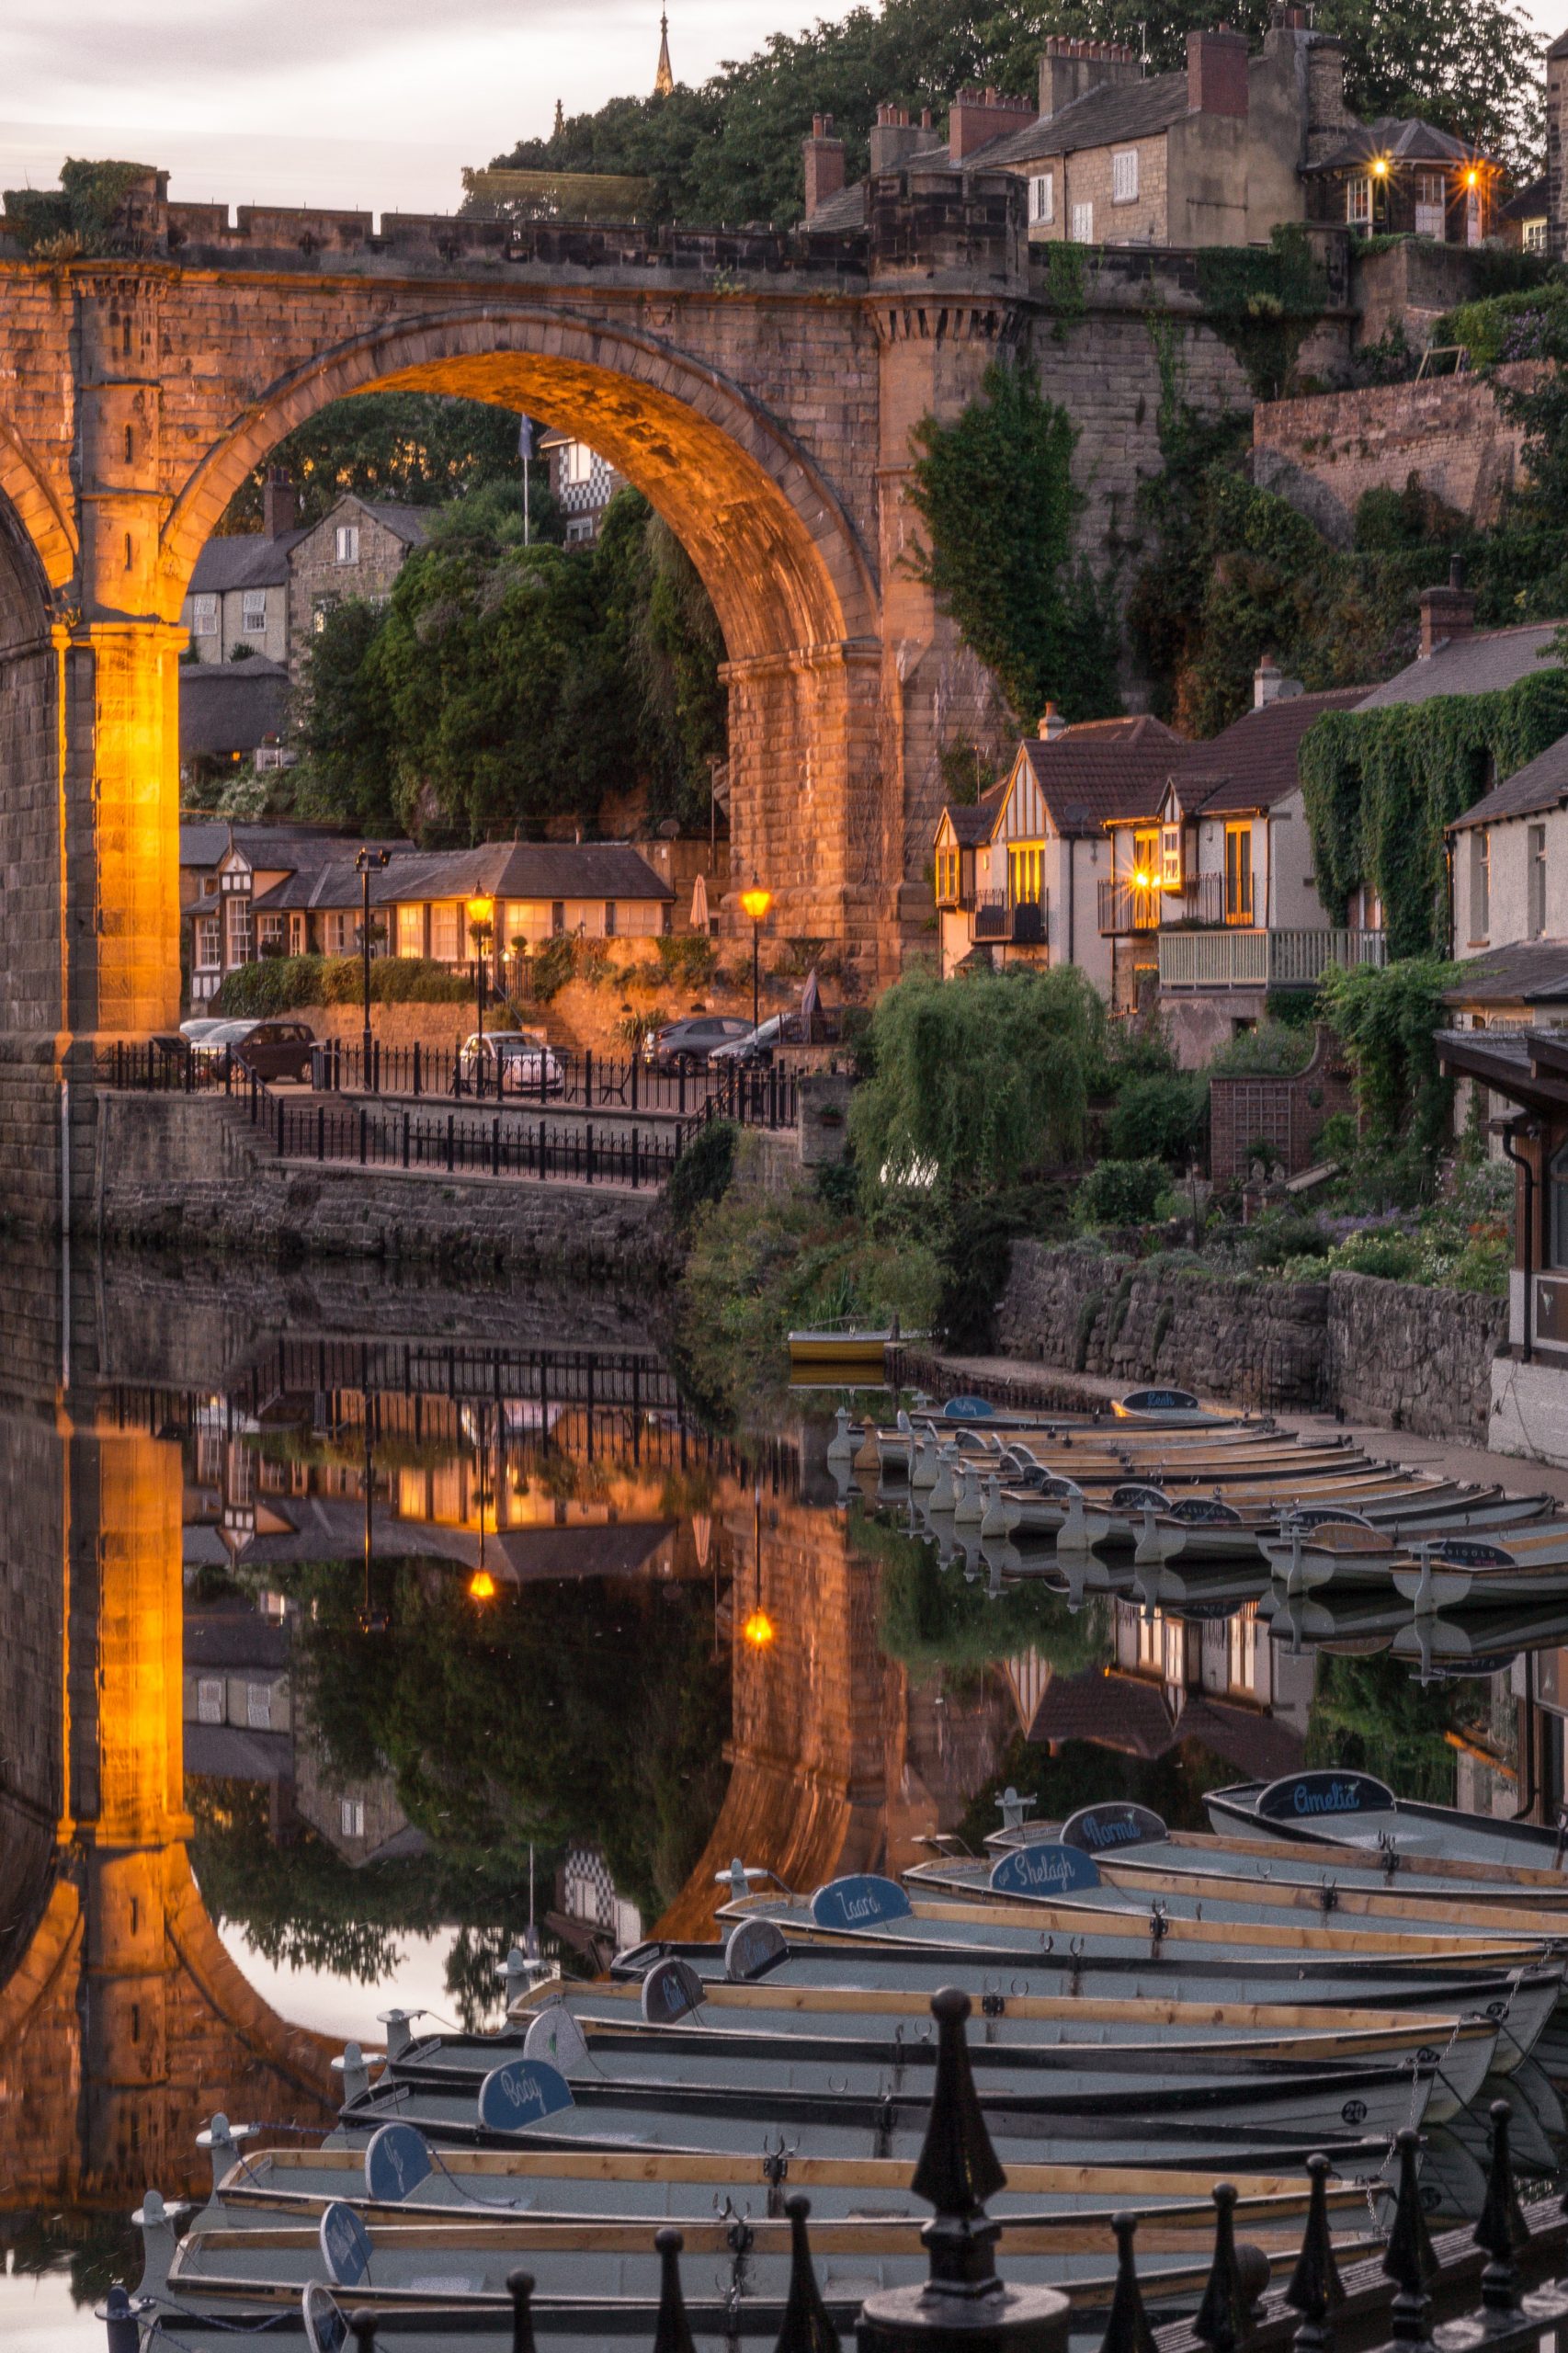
(759,1629)
(370,1620)
(482,1585)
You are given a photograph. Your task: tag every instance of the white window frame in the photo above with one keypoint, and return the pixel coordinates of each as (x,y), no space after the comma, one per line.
(252,612)
(1043,199)
(208,944)
(258,1707)
(1083,224)
(1358,200)
(1124,175)
(204,616)
(238,943)
(353,1817)
(210,1700)
(579,530)
(411,928)
(269,931)
(1534,236)
(346,543)
(577,464)
(446,932)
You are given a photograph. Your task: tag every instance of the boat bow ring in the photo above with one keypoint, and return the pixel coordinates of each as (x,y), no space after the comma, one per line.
(859,1901)
(397,2159)
(522,2093)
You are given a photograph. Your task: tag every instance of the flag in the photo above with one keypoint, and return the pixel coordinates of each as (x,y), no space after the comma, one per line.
(525,437)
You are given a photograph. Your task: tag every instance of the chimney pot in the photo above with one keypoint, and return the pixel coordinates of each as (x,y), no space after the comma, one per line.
(1052,724)
(280,504)
(1448,614)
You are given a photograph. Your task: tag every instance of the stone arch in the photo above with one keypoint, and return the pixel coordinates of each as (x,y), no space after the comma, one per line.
(36,522)
(770,539)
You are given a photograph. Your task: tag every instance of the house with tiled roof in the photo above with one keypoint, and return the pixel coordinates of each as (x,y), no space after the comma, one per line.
(1017,874)
(1210,902)
(1230,147)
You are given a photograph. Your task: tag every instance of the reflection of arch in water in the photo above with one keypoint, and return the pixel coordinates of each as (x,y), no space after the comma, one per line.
(123,2022)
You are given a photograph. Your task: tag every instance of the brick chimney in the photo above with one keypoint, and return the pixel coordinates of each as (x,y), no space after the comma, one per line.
(1269,683)
(1448,614)
(1217,73)
(894,139)
(977,117)
(825,165)
(1068,68)
(280,504)
(1052,724)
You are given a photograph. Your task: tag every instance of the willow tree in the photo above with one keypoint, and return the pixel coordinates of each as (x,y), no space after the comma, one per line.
(978,1079)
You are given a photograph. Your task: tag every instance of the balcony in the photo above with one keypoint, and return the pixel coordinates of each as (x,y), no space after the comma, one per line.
(1019,923)
(1126,907)
(1234,958)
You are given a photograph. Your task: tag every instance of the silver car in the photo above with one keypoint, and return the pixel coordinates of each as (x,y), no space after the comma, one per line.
(522,1063)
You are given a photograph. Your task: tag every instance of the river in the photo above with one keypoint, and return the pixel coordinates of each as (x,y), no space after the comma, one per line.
(351,1628)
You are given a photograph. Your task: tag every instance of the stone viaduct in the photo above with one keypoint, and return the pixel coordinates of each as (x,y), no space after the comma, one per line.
(760,388)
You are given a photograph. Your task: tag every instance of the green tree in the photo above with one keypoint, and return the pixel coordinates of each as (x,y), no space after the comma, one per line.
(414,449)
(343,725)
(665,634)
(1388,1019)
(995,490)
(977,1079)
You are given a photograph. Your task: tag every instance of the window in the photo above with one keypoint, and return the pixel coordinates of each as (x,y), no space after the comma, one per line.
(269,935)
(1084,225)
(1124,175)
(947,878)
(1043,199)
(579,528)
(353,1818)
(1534,236)
(1480,884)
(210,1700)
(1145,878)
(411,931)
(204,616)
(1170,858)
(258,1706)
(208,944)
(349,543)
(1536,871)
(1238,874)
(320,607)
(446,937)
(576,463)
(1023,874)
(239,930)
(1472,216)
(1431,204)
(253,613)
(338,927)
(1358,200)
(557,917)
(609,918)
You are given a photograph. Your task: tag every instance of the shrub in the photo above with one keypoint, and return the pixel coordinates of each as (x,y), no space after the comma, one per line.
(1335,1140)
(686,960)
(1120,1192)
(702,1174)
(1274,1049)
(1279,1238)
(1381,1251)
(1159,1118)
(281,983)
(553,966)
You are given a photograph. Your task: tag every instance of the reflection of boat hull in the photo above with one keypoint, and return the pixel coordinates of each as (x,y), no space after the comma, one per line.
(863,1352)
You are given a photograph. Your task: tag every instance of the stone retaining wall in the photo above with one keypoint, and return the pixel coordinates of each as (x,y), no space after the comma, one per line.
(185,1172)
(1419,1360)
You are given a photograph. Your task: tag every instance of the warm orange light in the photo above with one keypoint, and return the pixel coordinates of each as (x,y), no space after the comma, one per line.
(759,1629)
(1380,167)
(481,1586)
(1142,882)
(756,901)
(481,912)
(1471,178)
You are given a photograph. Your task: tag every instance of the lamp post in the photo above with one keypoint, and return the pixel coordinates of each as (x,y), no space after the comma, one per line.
(367,862)
(756,901)
(481,920)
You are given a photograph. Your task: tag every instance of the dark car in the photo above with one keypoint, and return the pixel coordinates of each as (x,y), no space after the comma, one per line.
(275,1049)
(691,1040)
(755,1048)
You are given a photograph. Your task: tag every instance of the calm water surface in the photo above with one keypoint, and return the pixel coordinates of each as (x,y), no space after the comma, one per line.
(348,1627)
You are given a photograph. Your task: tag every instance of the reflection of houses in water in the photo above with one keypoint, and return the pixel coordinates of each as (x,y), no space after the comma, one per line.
(590,1914)
(360,1820)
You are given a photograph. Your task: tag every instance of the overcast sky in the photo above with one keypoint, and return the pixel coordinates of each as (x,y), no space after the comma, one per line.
(376,104)
(371,103)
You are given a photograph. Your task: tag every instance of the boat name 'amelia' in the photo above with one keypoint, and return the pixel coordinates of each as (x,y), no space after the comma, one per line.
(1340,1797)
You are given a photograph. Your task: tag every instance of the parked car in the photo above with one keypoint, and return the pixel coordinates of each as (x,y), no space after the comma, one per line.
(523,1062)
(202,1025)
(276,1049)
(219,1045)
(759,1045)
(691,1040)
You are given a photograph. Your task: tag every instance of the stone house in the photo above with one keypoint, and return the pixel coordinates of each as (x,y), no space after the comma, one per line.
(1211,904)
(539,891)
(244,892)
(582,482)
(356,551)
(238,598)
(1219,152)
(1017,874)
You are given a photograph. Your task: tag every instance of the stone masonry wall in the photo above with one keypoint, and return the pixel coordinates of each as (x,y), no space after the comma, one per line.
(1398,1353)
(1447,431)
(183,1172)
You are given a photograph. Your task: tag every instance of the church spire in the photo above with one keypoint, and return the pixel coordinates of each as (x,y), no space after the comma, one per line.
(664,80)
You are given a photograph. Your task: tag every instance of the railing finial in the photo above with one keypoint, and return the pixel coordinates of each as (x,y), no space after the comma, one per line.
(1409,2259)
(520,2288)
(1128,2329)
(1316,2288)
(673,2333)
(806,2326)
(1224,2317)
(1502,2230)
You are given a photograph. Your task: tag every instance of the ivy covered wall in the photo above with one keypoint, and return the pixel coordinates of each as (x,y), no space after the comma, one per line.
(1381,786)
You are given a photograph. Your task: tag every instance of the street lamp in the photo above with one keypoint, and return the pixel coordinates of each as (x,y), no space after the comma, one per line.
(367,862)
(481,920)
(756,901)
